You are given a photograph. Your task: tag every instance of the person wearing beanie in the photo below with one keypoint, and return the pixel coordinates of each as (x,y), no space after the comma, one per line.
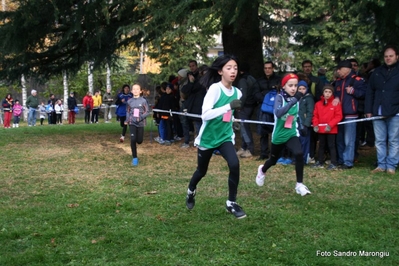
(306,108)
(349,89)
(325,121)
(286,132)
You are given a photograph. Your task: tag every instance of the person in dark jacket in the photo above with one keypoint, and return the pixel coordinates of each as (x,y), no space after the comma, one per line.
(168,101)
(7,104)
(32,103)
(349,88)
(194,93)
(262,86)
(121,100)
(245,84)
(71,108)
(382,98)
(316,85)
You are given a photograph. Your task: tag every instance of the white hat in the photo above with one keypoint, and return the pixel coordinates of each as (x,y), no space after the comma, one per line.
(182,73)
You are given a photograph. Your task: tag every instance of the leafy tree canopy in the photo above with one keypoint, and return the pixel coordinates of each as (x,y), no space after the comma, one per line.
(42,38)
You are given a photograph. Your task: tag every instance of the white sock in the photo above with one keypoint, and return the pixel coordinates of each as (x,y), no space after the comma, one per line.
(298,184)
(189,191)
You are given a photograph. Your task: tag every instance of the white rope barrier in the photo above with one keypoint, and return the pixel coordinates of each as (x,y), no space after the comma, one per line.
(265,123)
(199,116)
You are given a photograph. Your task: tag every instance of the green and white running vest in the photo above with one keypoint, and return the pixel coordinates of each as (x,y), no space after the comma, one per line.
(215,131)
(281,134)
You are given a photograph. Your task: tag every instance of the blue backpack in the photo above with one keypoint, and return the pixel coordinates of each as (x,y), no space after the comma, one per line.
(268,102)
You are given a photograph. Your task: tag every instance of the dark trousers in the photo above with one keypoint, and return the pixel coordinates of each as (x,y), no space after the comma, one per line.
(294,146)
(59,118)
(229,154)
(305,142)
(94,115)
(329,140)
(16,119)
(313,144)
(53,118)
(186,128)
(136,137)
(87,116)
(169,129)
(247,142)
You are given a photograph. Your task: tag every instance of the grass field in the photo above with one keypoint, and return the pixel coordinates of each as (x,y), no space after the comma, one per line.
(69,196)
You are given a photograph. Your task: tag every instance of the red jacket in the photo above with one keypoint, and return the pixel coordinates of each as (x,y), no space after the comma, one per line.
(87,100)
(325,113)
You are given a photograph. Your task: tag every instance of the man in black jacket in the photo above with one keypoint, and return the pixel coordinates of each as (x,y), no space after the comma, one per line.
(262,86)
(382,98)
(246,84)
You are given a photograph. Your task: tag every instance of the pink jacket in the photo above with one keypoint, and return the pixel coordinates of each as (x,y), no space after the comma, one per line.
(17,109)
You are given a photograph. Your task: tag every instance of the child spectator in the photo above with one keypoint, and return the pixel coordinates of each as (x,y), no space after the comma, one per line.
(306,107)
(58,112)
(7,109)
(168,102)
(17,111)
(326,117)
(285,132)
(136,114)
(42,111)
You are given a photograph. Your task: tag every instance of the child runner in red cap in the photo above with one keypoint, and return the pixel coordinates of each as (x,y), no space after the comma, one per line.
(286,132)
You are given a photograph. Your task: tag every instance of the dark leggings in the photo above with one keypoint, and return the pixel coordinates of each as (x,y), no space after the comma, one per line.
(229,154)
(122,123)
(293,145)
(136,137)
(328,139)
(87,116)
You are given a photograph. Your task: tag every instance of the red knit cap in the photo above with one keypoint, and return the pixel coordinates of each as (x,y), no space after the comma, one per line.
(287,78)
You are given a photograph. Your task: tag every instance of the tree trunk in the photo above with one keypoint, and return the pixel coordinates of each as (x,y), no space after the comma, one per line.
(90,76)
(24,97)
(65,82)
(243,39)
(108,81)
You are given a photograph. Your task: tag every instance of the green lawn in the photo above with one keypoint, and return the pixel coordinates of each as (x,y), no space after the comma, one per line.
(69,196)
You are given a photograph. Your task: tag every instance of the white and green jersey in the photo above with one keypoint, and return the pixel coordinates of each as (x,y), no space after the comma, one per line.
(281,133)
(214,131)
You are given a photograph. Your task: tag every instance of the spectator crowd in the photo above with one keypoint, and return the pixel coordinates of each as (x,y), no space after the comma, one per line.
(328,112)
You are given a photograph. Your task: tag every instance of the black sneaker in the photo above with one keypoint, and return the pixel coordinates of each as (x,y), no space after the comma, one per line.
(318,165)
(345,167)
(190,199)
(332,167)
(235,209)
